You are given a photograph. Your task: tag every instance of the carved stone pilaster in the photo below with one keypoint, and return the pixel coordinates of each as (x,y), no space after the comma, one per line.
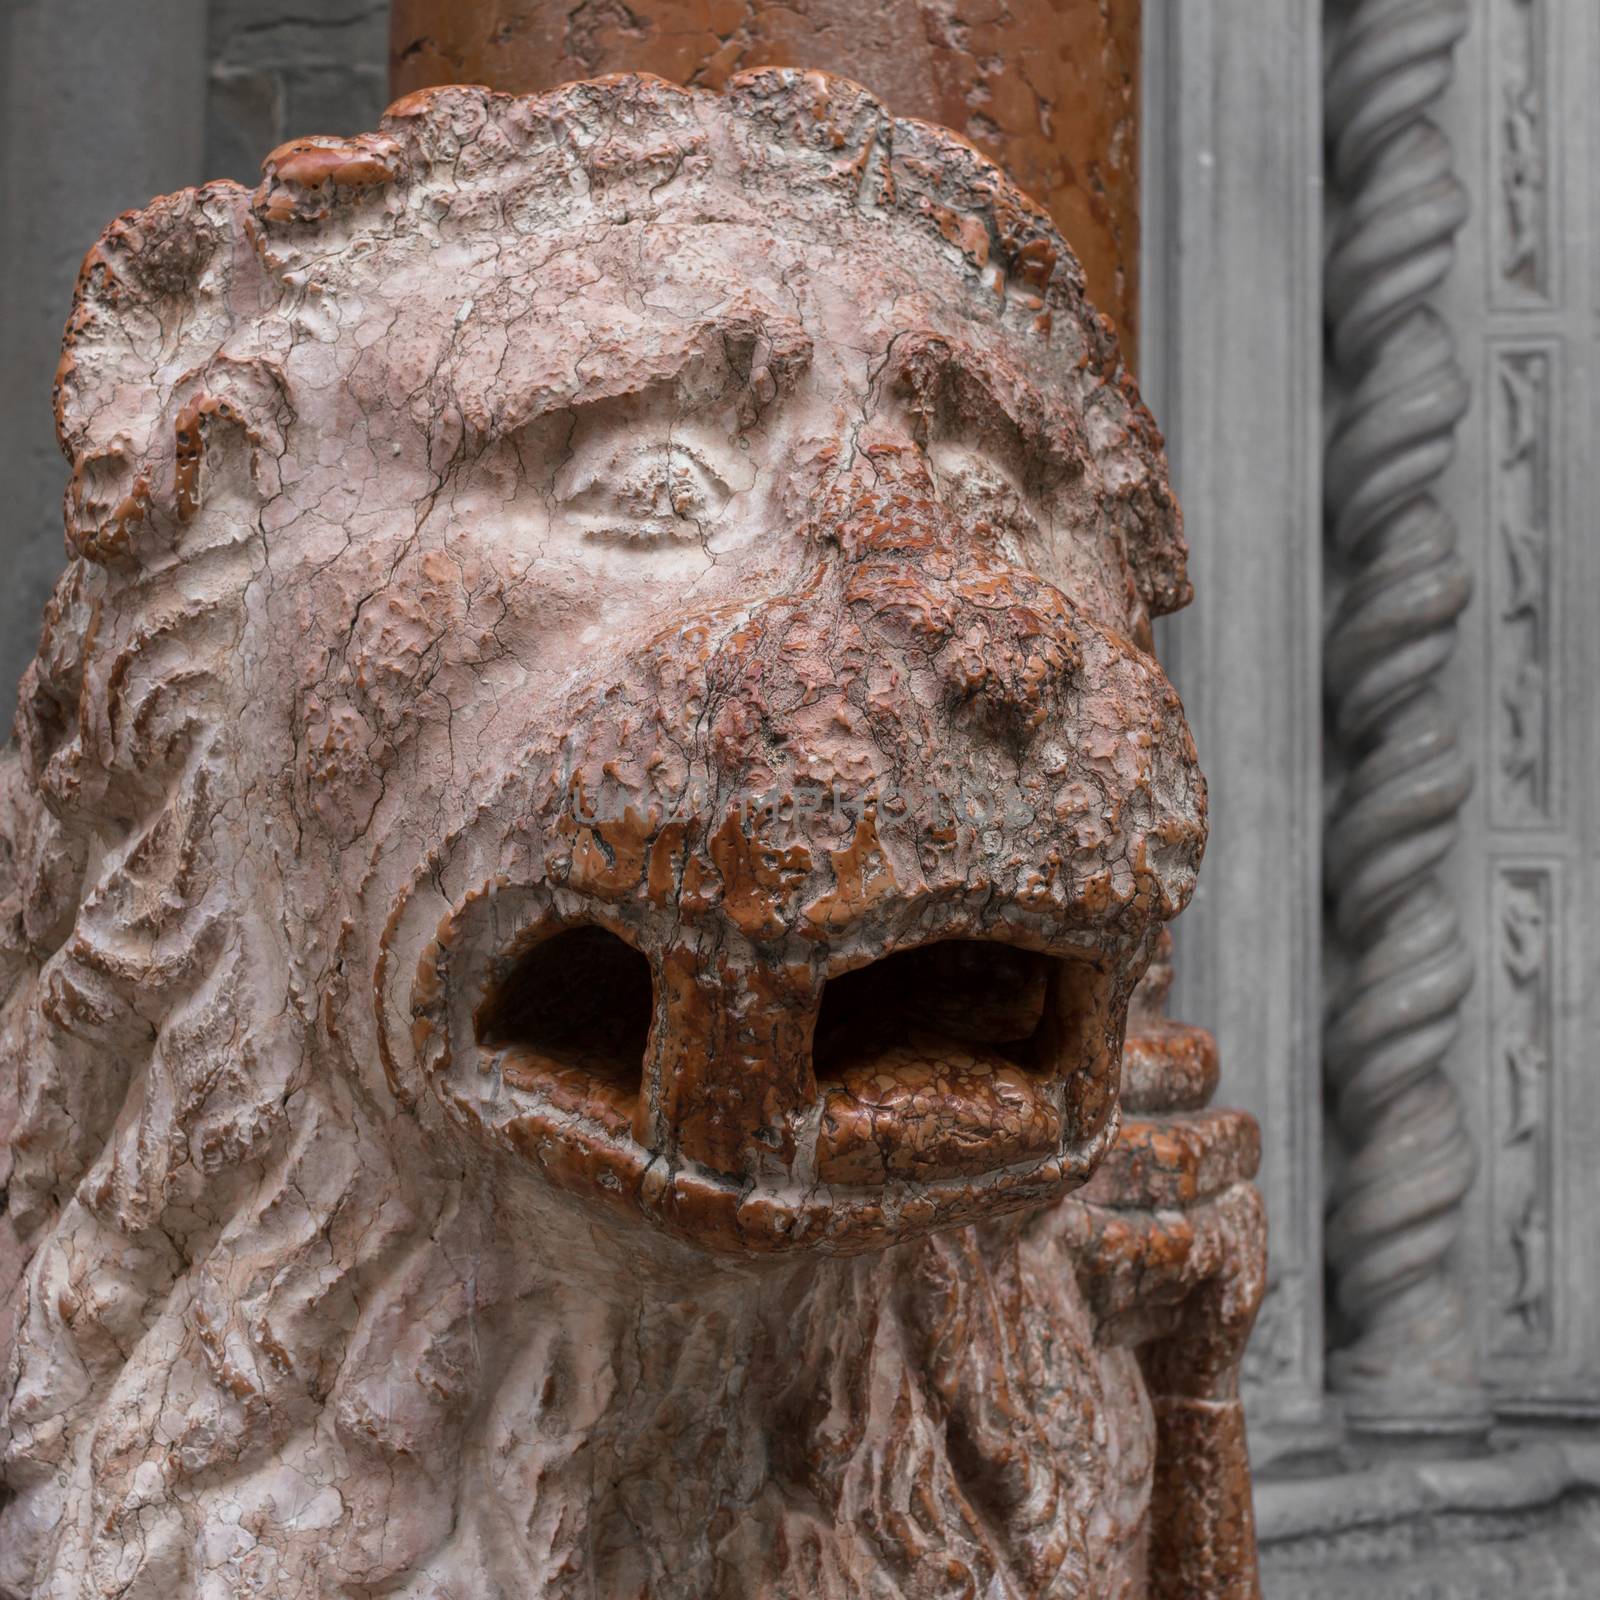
(1408,1358)
(1525,918)
(1524,748)
(1522,270)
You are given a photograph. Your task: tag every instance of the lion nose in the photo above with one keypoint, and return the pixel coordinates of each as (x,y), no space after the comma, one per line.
(921,586)
(1006,671)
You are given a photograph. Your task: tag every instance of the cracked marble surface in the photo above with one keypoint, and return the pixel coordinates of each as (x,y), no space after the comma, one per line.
(589,814)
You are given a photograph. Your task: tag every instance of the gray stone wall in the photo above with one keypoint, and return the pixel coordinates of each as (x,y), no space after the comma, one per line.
(281,68)
(85,132)
(104,103)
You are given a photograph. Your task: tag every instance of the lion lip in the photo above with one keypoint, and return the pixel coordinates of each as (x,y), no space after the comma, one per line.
(957,1066)
(934,1107)
(946,1061)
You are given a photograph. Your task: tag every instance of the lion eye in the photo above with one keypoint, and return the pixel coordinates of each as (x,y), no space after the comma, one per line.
(992,507)
(650,494)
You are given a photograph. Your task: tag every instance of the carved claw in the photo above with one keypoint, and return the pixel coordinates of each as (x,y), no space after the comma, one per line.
(1170,1240)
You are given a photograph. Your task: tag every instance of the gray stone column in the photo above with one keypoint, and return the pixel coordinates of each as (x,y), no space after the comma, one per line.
(1408,1360)
(102,104)
(1231,365)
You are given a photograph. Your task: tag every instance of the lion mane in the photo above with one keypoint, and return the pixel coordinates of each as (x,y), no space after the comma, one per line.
(257,1333)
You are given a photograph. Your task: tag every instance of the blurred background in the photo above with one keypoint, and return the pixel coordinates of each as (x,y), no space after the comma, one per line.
(1354,250)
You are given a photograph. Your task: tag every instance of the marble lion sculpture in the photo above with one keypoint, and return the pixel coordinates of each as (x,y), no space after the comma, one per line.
(579,842)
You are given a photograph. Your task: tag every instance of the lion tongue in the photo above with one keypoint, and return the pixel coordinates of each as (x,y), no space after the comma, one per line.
(932,1106)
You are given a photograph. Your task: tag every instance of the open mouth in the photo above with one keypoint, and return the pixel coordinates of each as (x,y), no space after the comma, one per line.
(948,1061)
(752,1099)
(569,1018)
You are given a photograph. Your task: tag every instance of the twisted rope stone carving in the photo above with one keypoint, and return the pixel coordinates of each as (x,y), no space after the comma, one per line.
(1410,1160)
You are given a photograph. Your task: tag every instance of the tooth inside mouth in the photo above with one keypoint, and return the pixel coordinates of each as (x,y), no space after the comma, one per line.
(950,1060)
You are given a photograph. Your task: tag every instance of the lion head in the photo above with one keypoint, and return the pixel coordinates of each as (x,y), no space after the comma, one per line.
(595,779)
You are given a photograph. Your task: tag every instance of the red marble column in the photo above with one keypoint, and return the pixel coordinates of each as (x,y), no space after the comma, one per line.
(1048,88)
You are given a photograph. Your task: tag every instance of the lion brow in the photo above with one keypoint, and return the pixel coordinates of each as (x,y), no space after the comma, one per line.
(934,370)
(762,352)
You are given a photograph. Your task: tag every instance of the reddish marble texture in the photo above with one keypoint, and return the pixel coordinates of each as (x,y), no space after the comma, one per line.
(1047,89)
(590,811)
